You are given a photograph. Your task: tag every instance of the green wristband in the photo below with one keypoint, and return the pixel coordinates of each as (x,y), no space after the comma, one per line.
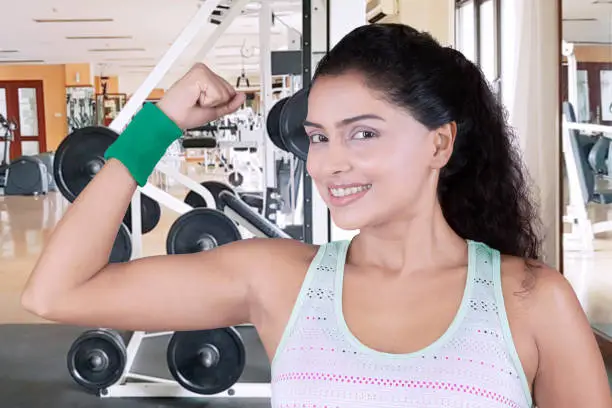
(144,142)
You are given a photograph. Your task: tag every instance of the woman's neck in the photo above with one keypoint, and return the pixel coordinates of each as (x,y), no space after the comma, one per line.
(405,246)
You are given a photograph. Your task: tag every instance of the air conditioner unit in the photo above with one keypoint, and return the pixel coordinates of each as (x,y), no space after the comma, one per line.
(380,10)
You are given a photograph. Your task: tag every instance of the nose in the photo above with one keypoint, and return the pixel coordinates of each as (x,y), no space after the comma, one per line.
(336,157)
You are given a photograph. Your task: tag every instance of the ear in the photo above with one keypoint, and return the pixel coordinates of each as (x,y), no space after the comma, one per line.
(442,146)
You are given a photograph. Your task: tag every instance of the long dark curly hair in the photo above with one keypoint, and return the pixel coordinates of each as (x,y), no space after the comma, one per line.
(484,190)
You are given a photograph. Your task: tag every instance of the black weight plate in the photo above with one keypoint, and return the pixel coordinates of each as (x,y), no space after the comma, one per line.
(96,359)
(236,179)
(150,213)
(79,157)
(122,247)
(215,187)
(199,230)
(273,124)
(291,122)
(206,361)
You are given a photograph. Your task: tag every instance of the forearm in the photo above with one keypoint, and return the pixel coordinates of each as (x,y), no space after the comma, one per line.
(81,243)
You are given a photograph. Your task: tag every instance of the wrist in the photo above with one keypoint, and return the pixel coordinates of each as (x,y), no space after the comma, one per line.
(144,142)
(167,110)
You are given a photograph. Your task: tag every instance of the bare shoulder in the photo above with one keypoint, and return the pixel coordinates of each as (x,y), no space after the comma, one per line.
(536,285)
(273,264)
(534,295)
(264,253)
(553,337)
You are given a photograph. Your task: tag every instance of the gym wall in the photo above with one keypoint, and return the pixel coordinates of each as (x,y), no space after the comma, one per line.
(112,87)
(54,88)
(435,16)
(593,53)
(78,74)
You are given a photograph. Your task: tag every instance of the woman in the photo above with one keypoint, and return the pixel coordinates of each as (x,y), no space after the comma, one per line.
(440,300)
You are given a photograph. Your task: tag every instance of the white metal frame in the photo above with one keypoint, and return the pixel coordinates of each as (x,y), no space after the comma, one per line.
(583,229)
(157,387)
(149,386)
(189,33)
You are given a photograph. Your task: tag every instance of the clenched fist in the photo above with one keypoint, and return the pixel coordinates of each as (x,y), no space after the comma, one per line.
(199,97)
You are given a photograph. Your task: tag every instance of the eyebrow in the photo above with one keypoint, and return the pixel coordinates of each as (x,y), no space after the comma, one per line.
(346,121)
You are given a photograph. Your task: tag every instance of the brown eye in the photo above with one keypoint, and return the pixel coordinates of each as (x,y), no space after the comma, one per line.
(364,134)
(317,137)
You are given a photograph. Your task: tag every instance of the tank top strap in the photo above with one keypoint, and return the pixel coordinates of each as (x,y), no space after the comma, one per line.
(317,291)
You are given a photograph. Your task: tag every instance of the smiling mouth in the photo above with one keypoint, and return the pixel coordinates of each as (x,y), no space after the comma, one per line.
(341,192)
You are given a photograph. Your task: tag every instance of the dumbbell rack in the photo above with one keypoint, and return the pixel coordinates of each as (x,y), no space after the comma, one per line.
(144,386)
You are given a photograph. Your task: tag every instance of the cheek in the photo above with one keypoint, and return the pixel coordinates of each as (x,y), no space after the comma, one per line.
(395,161)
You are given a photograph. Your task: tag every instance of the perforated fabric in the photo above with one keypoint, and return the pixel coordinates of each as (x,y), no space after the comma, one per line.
(320,364)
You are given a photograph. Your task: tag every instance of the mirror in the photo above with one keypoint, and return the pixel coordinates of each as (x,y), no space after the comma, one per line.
(586,89)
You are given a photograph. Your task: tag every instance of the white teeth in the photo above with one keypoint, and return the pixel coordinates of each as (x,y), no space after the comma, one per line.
(343,192)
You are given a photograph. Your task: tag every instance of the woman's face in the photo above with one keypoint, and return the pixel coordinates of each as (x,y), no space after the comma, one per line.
(370,160)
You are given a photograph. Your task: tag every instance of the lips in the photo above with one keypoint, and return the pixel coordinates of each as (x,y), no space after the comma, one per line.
(345,194)
(345,191)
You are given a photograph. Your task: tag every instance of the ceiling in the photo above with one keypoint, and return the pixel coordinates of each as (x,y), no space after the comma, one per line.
(587,21)
(135,34)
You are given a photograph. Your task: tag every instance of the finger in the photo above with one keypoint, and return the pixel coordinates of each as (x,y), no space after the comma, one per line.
(232,105)
(232,91)
(210,94)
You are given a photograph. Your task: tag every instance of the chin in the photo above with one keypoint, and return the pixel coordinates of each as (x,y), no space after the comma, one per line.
(347,221)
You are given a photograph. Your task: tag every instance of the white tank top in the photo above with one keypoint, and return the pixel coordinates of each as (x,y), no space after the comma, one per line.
(319,363)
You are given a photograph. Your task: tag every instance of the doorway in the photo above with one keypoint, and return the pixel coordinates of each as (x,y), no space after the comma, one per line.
(22,102)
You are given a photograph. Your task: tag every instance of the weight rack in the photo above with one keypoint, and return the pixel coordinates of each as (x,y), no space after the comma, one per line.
(316,14)
(132,384)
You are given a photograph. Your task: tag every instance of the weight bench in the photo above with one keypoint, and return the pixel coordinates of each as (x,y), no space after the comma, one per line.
(199,143)
(240,212)
(584,159)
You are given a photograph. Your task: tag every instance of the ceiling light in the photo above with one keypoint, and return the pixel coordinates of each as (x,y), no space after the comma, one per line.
(75,20)
(115,49)
(101,37)
(8,51)
(20,61)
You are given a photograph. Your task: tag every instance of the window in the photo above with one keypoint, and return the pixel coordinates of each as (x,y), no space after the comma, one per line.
(477,36)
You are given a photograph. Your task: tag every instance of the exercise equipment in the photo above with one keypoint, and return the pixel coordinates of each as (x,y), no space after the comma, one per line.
(583,186)
(599,157)
(96,359)
(26,176)
(201,229)
(199,143)
(235,178)
(206,361)
(47,158)
(291,124)
(273,124)
(79,157)
(8,129)
(133,384)
(215,187)
(122,247)
(239,211)
(150,211)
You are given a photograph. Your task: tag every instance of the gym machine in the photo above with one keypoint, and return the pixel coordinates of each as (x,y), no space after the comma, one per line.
(208,362)
(586,152)
(7,137)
